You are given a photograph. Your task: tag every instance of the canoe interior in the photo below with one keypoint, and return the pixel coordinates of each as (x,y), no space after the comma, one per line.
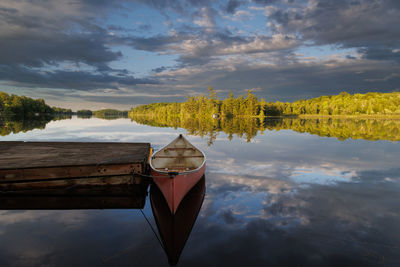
(178,156)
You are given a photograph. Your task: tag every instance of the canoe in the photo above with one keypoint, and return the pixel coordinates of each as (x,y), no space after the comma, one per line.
(176,168)
(174,229)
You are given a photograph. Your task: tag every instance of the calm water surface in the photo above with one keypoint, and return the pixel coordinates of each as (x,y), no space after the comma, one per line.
(283,199)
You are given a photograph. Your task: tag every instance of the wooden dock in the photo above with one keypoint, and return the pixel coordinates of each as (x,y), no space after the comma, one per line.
(38,165)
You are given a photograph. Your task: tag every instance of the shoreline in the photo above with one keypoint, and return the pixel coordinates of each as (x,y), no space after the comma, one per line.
(301,116)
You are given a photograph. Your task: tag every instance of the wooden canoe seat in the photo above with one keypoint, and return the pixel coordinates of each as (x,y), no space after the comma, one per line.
(179,148)
(181,157)
(176,168)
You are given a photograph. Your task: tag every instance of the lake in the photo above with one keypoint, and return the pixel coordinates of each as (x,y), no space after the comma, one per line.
(279,192)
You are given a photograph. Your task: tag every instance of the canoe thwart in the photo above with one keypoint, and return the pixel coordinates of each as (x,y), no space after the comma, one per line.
(179,148)
(178,168)
(179,157)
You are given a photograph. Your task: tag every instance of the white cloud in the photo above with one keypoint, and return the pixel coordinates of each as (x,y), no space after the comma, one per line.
(206,19)
(242,15)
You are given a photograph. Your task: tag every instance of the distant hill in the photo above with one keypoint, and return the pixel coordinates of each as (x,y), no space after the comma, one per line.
(109,112)
(22,106)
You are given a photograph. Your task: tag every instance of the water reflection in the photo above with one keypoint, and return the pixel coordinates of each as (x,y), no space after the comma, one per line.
(246,128)
(74,198)
(10,125)
(279,222)
(283,199)
(174,229)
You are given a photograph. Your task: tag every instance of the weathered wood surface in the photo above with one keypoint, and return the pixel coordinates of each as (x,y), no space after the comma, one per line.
(15,155)
(110,197)
(95,181)
(30,161)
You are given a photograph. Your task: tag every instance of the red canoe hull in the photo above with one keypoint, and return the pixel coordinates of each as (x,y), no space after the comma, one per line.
(174,189)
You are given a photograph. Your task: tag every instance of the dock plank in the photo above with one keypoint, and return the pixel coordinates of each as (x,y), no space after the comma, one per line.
(30,161)
(17,155)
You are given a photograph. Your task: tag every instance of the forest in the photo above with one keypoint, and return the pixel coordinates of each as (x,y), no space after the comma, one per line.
(343,104)
(22,106)
(105,113)
(26,107)
(102,113)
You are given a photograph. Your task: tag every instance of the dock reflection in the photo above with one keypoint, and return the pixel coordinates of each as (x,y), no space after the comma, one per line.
(174,229)
(110,197)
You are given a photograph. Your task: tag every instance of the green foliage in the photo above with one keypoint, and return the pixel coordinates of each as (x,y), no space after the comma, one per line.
(203,107)
(249,127)
(346,104)
(62,111)
(84,112)
(10,125)
(109,113)
(246,116)
(341,128)
(342,104)
(22,106)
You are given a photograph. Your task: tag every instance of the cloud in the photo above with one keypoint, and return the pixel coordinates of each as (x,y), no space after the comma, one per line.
(242,15)
(34,34)
(40,49)
(205,18)
(232,5)
(346,23)
(287,79)
(79,80)
(158,43)
(380,53)
(38,39)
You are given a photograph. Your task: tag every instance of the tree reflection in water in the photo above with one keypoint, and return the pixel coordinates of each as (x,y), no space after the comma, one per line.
(250,127)
(9,125)
(244,127)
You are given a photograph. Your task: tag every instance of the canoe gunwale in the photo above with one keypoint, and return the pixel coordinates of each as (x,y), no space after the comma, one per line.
(167,172)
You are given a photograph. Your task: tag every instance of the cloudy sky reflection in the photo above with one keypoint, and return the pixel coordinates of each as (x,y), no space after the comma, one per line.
(286,199)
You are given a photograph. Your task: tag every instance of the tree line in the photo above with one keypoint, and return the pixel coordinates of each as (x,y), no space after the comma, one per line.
(250,105)
(211,105)
(22,106)
(26,107)
(108,114)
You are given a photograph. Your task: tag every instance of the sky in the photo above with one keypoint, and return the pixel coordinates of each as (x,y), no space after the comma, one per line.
(118,54)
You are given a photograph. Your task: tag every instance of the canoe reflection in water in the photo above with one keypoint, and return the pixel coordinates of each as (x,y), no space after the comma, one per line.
(174,229)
